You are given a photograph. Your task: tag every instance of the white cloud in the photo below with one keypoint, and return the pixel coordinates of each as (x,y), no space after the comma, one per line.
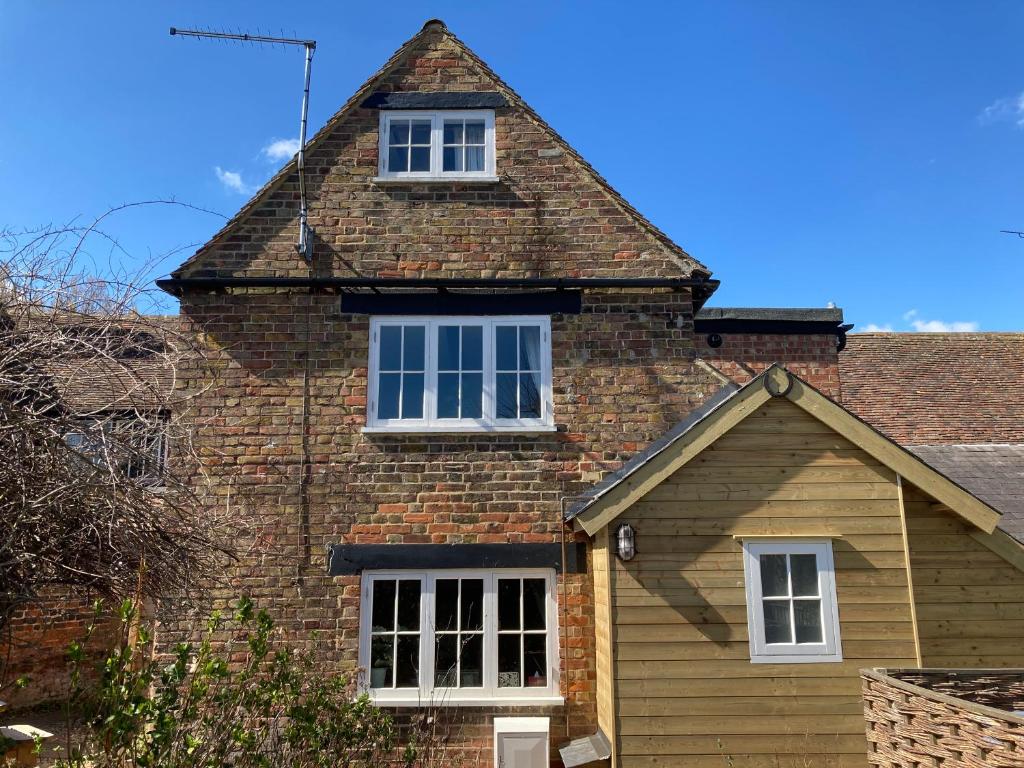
(232,181)
(872,328)
(280,149)
(940,326)
(909,314)
(1010,108)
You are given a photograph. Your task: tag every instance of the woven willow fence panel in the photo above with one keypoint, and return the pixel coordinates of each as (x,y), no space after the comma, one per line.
(944,718)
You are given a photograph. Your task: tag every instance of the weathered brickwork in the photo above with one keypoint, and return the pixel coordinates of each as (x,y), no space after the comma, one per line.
(548,216)
(34,645)
(623,373)
(812,357)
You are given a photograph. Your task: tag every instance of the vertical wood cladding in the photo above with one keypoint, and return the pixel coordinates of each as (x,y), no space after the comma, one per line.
(686,688)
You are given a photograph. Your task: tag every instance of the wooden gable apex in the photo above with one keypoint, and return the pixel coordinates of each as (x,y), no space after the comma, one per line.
(433,34)
(601,508)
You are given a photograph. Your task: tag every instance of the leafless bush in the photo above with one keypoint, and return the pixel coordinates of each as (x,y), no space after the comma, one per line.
(98,475)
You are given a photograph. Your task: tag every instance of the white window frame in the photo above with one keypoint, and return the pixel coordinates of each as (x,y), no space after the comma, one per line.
(489,693)
(761,652)
(489,422)
(437,119)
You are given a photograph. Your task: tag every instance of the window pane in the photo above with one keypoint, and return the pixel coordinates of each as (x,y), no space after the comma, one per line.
(472,395)
(448,395)
(412,396)
(529,395)
(381,663)
(535,660)
(472,604)
(505,343)
(471,673)
(472,348)
(529,348)
(399,132)
(534,613)
(413,353)
(509,658)
(387,395)
(474,131)
(445,660)
(407,662)
(807,614)
(453,132)
(419,160)
(506,395)
(773,576)
(383,605)
(805,575)
(508,604)
(448,348)
(408,605)
(452,158)
(776,622)
(474,158)
(420,131)
(446,603)
(398,159)
(391,348)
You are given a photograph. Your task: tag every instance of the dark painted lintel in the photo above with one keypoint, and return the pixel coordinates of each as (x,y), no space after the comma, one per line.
(434,100)
(445,303)
(347,559)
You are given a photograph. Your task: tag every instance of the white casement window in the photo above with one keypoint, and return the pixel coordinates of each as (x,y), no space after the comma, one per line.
(459,636)
(792,613)
(417,144)
(460,374)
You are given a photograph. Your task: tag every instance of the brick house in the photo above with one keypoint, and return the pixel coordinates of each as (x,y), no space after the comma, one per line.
(507,460)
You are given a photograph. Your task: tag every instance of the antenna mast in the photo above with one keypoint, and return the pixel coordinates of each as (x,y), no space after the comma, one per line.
(305,243)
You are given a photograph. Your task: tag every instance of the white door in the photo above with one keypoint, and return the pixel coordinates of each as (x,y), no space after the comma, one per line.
(522,750)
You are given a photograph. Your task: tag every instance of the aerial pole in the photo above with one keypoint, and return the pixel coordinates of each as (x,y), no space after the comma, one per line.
(305,242)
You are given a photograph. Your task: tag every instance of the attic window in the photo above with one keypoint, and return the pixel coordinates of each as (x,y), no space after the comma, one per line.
(423,145)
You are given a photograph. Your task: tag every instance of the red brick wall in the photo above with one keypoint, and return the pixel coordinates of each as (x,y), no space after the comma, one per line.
(623,373)
(36,642)
(812,357)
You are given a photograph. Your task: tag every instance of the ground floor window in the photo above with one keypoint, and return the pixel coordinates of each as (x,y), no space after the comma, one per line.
(436,636)
(792,614)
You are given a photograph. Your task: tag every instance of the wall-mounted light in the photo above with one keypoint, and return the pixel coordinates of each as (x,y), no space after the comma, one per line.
(625,541)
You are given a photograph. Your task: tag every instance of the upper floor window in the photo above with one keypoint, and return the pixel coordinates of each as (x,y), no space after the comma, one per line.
(134,447)
(460,373)
(436,145)
(792,614)
(450,636)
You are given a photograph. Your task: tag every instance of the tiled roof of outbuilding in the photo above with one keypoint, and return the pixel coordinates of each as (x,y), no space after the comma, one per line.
(937,388)
(956,400)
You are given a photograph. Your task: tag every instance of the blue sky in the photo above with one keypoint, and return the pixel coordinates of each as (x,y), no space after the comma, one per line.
(808,152)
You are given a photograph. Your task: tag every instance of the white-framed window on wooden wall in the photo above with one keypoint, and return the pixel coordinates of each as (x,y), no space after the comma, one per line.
(792,612)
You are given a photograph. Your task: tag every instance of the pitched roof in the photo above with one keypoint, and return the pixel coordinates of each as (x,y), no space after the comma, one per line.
(693,435)
(937,388)
(693,266)
(993,473)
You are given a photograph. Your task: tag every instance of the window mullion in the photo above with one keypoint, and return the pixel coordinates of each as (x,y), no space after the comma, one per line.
(426,635)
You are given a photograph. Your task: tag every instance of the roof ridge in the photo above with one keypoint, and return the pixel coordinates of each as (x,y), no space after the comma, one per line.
(355,100)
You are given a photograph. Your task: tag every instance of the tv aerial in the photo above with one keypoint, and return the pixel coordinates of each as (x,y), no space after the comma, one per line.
(305,243)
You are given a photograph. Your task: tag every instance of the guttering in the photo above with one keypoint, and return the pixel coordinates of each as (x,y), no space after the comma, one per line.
(179,285)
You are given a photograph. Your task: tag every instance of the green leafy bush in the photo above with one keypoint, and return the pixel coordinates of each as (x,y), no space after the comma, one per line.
(248,701)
